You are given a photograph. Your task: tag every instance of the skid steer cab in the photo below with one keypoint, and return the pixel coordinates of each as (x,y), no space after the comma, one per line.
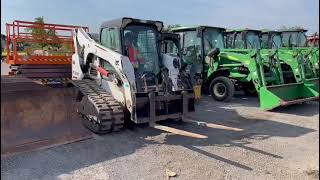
(130,73)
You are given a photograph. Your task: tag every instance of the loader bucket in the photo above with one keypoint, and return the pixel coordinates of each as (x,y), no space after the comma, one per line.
(36,117)
(313,84)
(287,94)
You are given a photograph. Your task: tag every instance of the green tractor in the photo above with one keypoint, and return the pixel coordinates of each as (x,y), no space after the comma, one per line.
(221,71)
(303,62)
(297,83)
(297,40)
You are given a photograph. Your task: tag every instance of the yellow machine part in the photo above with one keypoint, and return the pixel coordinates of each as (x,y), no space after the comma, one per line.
(197,91)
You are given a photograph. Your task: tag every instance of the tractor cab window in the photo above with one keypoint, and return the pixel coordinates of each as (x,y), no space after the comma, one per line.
(294,39)
(264,41)
(212,38)
(110,38)
(285,39)
(191,48)
(170,47)
(238,42)
(301,39)
(276,41)
(140,43)
(229,40)
(253,40)
(192,55)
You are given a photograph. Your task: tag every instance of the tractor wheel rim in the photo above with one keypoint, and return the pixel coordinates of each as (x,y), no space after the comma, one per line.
(219,89)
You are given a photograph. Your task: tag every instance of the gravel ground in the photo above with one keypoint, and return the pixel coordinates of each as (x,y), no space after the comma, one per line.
(4,68)
(283,144)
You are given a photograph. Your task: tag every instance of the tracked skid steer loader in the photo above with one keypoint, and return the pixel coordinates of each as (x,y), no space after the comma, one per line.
(126,72)
(126,77)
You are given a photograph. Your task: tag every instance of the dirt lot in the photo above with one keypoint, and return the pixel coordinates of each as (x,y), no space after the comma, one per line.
(283,144)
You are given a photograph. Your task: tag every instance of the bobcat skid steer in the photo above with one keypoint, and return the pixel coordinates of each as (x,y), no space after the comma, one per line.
(126,75)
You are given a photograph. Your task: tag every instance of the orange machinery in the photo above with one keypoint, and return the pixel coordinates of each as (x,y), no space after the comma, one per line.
(313,40)
(40,50)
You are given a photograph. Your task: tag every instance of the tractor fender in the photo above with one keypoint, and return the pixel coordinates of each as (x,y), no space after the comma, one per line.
(219,72)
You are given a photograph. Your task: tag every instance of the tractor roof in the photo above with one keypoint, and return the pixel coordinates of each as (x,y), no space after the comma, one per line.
(185,28)
(124,21)
(265,31)
(169,35)
(294,30)
(242,30)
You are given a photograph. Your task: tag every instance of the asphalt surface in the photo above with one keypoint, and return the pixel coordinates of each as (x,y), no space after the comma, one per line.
(283,144)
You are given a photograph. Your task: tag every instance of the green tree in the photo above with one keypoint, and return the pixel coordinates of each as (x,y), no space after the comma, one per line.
(170,26)
(42,36)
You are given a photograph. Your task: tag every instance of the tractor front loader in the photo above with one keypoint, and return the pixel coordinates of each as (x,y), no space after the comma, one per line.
(298,67)
(224,70)
(297,40)
(220,71)
(126,77)
(292,86)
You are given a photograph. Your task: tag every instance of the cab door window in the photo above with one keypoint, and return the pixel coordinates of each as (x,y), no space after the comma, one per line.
(169,47)
(191,47)
(238,42)
(110,38)
(228,40)
(265,41)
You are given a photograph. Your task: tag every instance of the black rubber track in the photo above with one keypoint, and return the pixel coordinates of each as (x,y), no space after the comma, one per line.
(100,112)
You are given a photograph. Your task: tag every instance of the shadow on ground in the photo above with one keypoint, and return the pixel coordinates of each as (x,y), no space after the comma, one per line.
(308,108)
(67,158)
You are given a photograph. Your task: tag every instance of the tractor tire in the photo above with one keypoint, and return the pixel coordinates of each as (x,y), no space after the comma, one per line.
(221,88)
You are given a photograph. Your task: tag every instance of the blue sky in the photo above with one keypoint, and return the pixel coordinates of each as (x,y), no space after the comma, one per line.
(256,14)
